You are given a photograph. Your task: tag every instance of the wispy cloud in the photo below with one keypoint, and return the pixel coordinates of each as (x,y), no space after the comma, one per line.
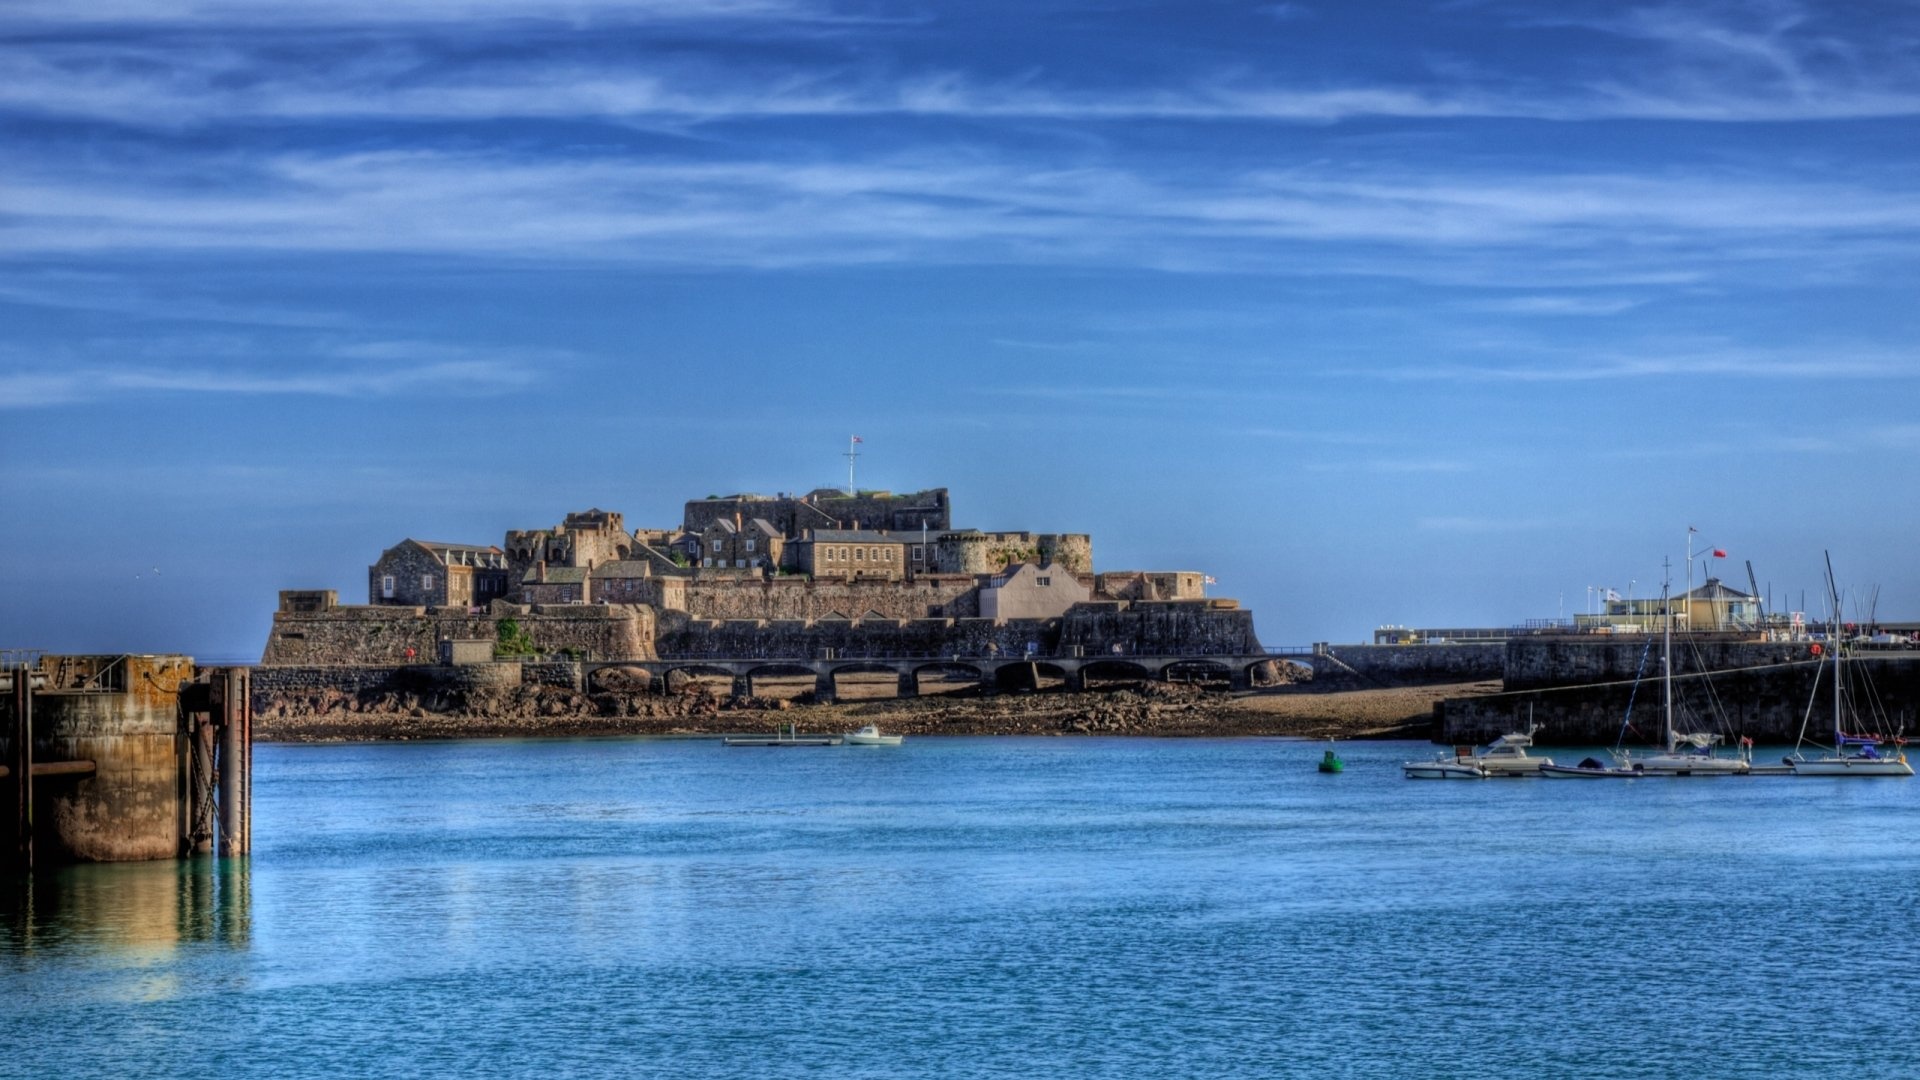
(308,13)
(1558,305)
(953,208)
(352,369)
(1573,366)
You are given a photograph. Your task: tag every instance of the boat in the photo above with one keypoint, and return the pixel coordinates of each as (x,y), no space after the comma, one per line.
(1689,754)
(786,735)
(1507,755)
(1330,762)
(1852,754)
(1590,769)
(1443,767)
(870,736)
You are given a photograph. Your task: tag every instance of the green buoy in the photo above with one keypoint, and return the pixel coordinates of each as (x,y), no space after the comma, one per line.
(1330,761)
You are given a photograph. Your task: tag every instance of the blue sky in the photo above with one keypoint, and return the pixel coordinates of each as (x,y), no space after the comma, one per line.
(1419,313)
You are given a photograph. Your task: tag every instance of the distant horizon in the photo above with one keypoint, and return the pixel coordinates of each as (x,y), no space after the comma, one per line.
(1400,313)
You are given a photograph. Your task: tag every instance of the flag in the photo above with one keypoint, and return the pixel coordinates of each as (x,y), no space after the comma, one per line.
(1209,579)
(857,438)
(1612,594)
(1719,553)
(1692,529)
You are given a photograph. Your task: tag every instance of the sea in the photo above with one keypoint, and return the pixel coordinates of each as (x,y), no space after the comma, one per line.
(990,907)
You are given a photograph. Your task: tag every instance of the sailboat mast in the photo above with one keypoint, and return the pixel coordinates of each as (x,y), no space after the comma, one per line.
(1666,650)
(1833,642)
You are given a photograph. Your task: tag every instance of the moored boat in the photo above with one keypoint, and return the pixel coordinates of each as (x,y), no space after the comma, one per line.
(1589,769)
(870,736)
(1443,767)
(1852,755)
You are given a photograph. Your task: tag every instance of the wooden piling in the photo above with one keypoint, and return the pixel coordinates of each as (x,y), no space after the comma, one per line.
(235,763)
(20,806)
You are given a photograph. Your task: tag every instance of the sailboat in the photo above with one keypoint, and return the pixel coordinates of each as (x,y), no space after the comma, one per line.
(1853,755)
(1684,755)
(1690,754)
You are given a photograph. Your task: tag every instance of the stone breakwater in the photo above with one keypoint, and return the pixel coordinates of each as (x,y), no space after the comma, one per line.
(694,708)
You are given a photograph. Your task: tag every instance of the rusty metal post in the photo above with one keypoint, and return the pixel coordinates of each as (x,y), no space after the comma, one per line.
(21,810)
(235,750)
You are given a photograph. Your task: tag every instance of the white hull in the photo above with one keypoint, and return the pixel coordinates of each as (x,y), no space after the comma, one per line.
(870,736)
(1443,769)
(1852,767)
(1689,765)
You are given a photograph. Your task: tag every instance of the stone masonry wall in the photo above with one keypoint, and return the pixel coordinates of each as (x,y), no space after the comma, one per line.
(746,639)
(1539,662)
(383,635)
(803,598)
(1181,627)
(1399,665)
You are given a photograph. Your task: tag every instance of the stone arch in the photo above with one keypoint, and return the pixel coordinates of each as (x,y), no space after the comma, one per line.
(1110,671)
(1029,675)
(947,676)
(1199,672)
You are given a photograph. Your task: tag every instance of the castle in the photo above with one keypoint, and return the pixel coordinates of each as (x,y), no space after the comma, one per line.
(760,574)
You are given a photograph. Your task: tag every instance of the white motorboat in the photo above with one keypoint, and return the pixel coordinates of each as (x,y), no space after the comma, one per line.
(870,736)
(1443,767)
(1852,755)
(1507,755)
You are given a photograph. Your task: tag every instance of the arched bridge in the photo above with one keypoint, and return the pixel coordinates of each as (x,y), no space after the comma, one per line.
(990,672)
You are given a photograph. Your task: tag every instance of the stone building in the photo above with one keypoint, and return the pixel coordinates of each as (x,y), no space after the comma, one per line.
(585,538)
(826,508)
(971,551)
(1032,591)
(545,584)
(849,554)
(1150,585)
(734,544)
(424,573)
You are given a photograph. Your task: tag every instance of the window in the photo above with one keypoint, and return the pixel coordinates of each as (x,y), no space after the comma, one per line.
(706,562)
(859,554)
(1043,582)
(918,554)
(716,547)
(386,587)
(426,582)
(889,554)
(749,545)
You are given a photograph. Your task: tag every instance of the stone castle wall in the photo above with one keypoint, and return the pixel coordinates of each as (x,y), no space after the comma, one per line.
(1179,627)
(803,598)
(383,635)
(1399,665)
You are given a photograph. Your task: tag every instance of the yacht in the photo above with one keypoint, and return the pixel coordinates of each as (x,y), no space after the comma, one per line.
(1852,755)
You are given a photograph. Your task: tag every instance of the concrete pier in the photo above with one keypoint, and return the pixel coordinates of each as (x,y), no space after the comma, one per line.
(119,758)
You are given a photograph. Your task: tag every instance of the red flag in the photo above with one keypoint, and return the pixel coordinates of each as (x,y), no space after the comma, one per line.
(1719,553)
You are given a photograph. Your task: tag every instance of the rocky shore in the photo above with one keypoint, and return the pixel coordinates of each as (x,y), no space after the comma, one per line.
(1150,709)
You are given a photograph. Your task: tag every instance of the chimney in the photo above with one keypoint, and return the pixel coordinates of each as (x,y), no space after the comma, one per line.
(736,520)
(540,569)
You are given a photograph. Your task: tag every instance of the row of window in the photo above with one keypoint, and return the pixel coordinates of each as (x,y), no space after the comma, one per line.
(860,554)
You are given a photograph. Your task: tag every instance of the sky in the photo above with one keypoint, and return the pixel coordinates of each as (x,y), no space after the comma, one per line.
(1415,313)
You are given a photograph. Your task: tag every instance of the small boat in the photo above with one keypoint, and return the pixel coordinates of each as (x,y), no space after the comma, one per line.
(1330,762)
(1852,755)
(1443,767)
(870,736)
(1589,769)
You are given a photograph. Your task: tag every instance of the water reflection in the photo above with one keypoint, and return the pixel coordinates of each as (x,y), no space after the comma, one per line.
(141,910)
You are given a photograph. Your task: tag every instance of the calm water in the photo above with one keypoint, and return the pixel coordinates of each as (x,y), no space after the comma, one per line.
(976,907)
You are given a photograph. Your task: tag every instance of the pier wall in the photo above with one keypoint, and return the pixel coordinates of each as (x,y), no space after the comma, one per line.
(1533,663)
(1403,665)
(1766,703)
